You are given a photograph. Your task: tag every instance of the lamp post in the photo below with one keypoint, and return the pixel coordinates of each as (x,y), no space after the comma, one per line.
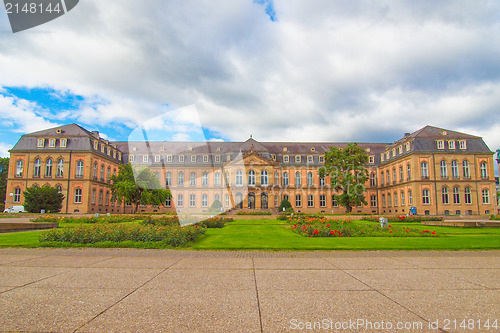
(11,195)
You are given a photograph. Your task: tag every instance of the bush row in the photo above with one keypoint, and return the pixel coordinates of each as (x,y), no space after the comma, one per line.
(93,219)
(213,222)
(406,219)
(245,212)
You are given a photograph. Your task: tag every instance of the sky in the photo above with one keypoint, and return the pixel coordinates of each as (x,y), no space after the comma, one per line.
(282,70)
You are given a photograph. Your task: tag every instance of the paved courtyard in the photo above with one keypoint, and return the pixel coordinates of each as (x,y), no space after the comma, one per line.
(129,290)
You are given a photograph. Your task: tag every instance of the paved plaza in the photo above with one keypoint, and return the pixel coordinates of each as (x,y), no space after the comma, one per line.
(130,290)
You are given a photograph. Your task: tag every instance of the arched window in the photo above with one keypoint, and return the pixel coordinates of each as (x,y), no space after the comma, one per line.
(408,171)
(100,197)
(426,197)
(95,171)
(285,178)
(456,195)
(401,174)
(388,177)
(78,195)
(92,198)
(239,178)
(102,172)
(19,168)
(276,178)
(310,179)
(217,179)
(263,178)
(192,179)
(484,170)
(36,170)
(204,179)
(444,169)
(373,179)
(467,194)
(168,178)
(454,169)
(402,198)
(17,195)
(424,170)
(217,197)
(382,178)
(108,174)
(59,188)
(410,197)
(445,197)
(48,168)
(466,170)
(251,178)
(298,179)
(394,176)
(60,168)
(204,200)
(180,179)
(107,198)
(79,169)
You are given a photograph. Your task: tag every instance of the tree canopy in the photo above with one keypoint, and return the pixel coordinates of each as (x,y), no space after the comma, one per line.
(347,169)
(45,197)
(138,186)
(4,170)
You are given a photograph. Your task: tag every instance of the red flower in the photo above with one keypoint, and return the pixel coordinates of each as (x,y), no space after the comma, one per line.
(390,232)
(433,232)
(315,231)
(389,225)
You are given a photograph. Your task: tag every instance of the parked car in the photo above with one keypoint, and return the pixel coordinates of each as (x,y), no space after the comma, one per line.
(15,209)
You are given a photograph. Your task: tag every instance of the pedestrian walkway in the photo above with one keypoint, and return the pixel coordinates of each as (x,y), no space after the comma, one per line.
(130,290)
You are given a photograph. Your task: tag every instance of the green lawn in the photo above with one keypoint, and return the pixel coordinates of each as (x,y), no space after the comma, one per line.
(275,235)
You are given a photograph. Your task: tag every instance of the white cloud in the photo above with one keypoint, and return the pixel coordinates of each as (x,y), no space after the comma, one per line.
(21,116)
(4,149)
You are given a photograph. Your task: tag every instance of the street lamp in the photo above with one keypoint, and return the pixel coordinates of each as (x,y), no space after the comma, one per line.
(11,195)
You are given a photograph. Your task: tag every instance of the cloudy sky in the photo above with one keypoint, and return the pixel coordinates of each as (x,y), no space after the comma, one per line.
(283,70)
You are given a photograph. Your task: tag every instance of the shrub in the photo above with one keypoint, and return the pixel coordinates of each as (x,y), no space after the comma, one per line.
(494,217)
(287,205)
(244,212)
(214,222)
(93,219)
(89,234)
(216,207)
(164,221)
(406,219)
(45,197)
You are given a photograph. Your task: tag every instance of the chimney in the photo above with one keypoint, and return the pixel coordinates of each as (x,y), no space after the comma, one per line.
(407,134)
(95,133)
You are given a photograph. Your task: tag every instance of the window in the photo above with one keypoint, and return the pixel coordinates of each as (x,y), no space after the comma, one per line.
(131,158)
(157,158)
(48,168)
(322,181)
(297,159)
(217,158)
(180,200)
(373,179)
(216,179)
(193,158)
(400,150)
(382,178)
(40,143)
(394,153)
(322,200)
(226,200)
(19,168)
(388,177)
(445,198)
(310,200)
(465,165)
(192,179)
(108,174)
(408,171)
(468,197)
(454,169)
(424,170)
(401,173)
(382,157)
(297,179)
(181,158)
(59,188)
(169,158)
(102,148)
(410,198)
(228,157)
(60,168)
(192,200)
(36,170)
(298,200)
(204,179)
(102,172)
(79,169)
(444,169)
(408,146)
(263,178)
(204,200)
(394,176)
(486,196)
(456,195)
(395,199)
(425,197)
(217,197)
(180,179)
(310,180)
(383,200)
(389,200)
(63,143)
(100,197)
(145,158)
(373,201)
(440,144)
(322,159)
(168,202)
(239,178)
(463,144)
(285,179)
(371,159)
(276,178)
(484,170)
(285,159)
(96,145)
(251,178)
(335,202)
(451,144)
(402,198)
(78,195)
(309,159)
(95,170)
(17,195)
(92,198)
(205,158)
(168,178)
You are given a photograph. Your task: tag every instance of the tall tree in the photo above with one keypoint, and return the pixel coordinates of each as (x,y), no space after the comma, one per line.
(138,186)
(347,169)
(45,197)
(4,170)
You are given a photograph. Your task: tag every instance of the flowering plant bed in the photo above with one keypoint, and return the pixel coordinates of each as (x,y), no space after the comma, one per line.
(407,219)
(213,222)
(93,219)
(244,212)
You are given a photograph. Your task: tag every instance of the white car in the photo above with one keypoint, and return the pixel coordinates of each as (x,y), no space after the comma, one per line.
(15,209)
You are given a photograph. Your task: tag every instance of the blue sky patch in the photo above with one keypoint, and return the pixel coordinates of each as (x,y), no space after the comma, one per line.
(270,11)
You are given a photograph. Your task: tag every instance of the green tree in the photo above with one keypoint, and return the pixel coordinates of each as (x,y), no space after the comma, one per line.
(138,186)
(4,170)
(287,205)
(348,173)
(45,197)
(216,207)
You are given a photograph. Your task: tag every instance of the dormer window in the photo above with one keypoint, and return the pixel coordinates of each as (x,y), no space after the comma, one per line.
(169,158)
(371,159)
(407,146)
(63,143)
(205,158)
(193,158)
(52,143)
(322,159)
(40,143)
(400,148)
(440,144)
(451,144)
(102,148)
(217,158)
(286,159)
(181,158)
(309,159)
(96,145)
(297,159)
(463,144)
(394,153)
(382,157)
(145,158)
(157,158)
(131,158)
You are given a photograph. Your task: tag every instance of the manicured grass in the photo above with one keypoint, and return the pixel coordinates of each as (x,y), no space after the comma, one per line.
(20,239)
(274,235)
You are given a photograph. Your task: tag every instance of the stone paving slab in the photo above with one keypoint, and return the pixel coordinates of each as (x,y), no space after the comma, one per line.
(132,290)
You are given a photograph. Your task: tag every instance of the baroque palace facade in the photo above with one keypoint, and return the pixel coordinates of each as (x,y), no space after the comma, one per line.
(437,171)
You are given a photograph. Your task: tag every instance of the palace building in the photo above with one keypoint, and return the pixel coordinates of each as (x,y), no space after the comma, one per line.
(436,171)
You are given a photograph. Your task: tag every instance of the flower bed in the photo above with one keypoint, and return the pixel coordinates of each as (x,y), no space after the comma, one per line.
(89,234)
(213,222)
(244,212)
(406,219)
(321,227)
(93,219)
